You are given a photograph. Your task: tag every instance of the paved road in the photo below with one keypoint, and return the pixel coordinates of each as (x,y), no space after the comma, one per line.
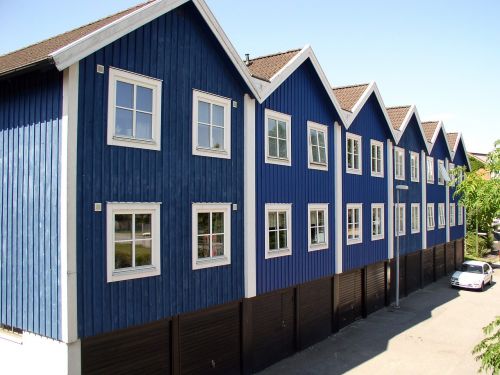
(433,333)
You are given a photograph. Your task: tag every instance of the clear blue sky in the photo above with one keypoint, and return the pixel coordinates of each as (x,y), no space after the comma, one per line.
(443,56)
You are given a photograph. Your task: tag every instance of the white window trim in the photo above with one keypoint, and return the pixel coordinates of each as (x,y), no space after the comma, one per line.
(374,142)
(417,206)
(113,208)
(400,231)
(431,227)
(440,162)
(441,225)
(317,207)
(322,128)
(288,120)
(401,151)
(452,215)
(429,179)
(416,157)
(213,261)
(287,207)
(460,214)
(226,104)
(382,222)
(358,138)
(353,241)
(136,79)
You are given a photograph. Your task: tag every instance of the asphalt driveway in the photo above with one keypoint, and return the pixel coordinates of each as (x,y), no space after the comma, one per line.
(433,333)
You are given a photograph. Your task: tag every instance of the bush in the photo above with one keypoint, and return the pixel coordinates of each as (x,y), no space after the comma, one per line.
(488,350)
(484,247)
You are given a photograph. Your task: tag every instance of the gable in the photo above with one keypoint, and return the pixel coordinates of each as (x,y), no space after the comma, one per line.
(412,137)
(371,120)
(440,148)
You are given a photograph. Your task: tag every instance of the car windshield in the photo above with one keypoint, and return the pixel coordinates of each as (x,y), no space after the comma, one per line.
(472,268)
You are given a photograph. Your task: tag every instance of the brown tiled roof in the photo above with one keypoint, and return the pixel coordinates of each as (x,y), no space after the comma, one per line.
(348,96)
(265,67)
(429,129)
(397,115)
(40,51)
(452,139)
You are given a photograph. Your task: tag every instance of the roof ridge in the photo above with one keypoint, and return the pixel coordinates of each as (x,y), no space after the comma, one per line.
(137,6)
(350,86)
(430,121)
(399,106)
(275,54)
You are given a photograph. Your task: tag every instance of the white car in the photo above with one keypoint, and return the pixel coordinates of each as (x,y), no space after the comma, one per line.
(473,274)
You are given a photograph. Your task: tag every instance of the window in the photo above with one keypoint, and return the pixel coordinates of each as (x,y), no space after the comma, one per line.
(134,110)
(399,163)
(278,138)
(430,216)
(318,227)
(460,175)
(440,172)
(452,214)
(460,214)
(377,158)
(430,170)
(451,167)
(318,146)
(377,221)
(133,240)
(354,223)
(353,152)
(211,240)
(278,230)
(441,215)
(415,217)
(211,125)
(414,166)
(400,219)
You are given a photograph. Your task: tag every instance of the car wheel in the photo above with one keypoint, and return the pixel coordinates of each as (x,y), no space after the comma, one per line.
(491,280)
(482,287)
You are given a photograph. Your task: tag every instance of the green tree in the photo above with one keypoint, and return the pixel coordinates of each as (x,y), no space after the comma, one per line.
(488,350)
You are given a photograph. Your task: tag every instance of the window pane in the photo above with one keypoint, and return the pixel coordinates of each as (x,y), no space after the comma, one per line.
(204,136)
(123,227)
(282,149)
(321,235)
(218,245)
(321,218)
(203,112)
(315,154)
(273,147)
(314,235)
(356,147)
(350,218)
(314,137)
(273,240)
(124,119)
(144,100)
(282,129)
(282,220)
(321,139)
(218,138)
(203,247)
(322,155)
(356,161)
(283,240)
(144,126)
(143,253)
(218,115)
(124,94)
(203,223)
(313,217)
(349,145)
(272,128)
(272,221)
(142,226)
(123,255)
(218,222)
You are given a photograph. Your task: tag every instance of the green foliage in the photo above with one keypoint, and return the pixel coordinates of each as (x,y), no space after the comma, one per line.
(475,163)
(488,350)
(470,245)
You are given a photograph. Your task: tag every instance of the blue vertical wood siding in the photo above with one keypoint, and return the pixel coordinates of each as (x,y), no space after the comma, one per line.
(437,193)
(460,160)
(369,124)
(30,121)
(303,97)
(180,49)
(411,140)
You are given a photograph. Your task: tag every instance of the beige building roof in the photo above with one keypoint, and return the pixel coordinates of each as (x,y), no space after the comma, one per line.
(348,96)
(265,67)
(452,139)
(397,115)
(429,129)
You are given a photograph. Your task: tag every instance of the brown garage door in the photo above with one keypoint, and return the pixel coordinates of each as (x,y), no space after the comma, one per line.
(439,267)
(413,272)
(450,257)
(428,265)
(459,253)
(350,297)
(375,287)
(209,341)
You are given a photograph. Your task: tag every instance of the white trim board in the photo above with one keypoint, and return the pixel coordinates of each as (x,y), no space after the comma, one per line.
(413,111)
(439,127)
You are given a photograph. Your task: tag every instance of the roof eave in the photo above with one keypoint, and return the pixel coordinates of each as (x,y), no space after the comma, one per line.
(37,65)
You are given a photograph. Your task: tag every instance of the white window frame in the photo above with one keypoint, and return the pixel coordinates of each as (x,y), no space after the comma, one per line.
(354,138)
(414,166)
(430,169)
(460,214)
(440,175)
(452,214)
(319,128)
(441,216)
(400,207)
(317,207)
(399,153)
(278,207)
(415,221)
(212,99)
(217,261)
(113,208)
(380,145)
(430,209)
(135,79)
(278,116)
(381,235)
(451,167)
(354,206)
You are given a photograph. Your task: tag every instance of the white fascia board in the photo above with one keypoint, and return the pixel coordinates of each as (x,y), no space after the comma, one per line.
(440,127)
(413,111)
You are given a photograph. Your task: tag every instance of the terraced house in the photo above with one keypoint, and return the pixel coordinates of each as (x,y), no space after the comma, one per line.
(168,206)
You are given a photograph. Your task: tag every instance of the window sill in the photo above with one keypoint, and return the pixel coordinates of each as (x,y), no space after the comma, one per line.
(198,151)
(211,262)
(318,167)
(323,246)
(400,235)
(412,180)
(430,228)
(278,253)
(377,238)
(430,182)
(415,231)
(399,178)
(131,274)
(134,143)
(354,242)
(278,161)
(354,171)
(379,175)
